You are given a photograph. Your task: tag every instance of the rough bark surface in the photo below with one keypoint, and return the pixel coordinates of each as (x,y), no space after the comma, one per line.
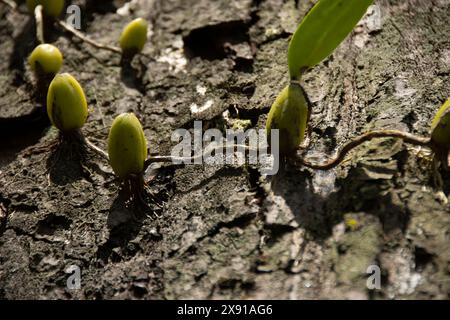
(228,232)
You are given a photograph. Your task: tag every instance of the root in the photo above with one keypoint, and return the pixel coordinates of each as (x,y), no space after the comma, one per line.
(438,182)
(141,196)
(440,161)
(84,38)
(53,163)
(339,157)
(96,149)
(48,147)
(207,151)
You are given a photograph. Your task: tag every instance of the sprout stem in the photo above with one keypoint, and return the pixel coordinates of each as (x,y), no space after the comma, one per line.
(339,157)
(39,24)
(84,38)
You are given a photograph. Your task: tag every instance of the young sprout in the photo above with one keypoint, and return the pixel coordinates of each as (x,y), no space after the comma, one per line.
(318,35)
(66,103)
(289,114)
(51,8)
(67,110)
(440,141)
(46,59)
(127,150)
(321,31)
(440,128)
(134,37)
(127,146)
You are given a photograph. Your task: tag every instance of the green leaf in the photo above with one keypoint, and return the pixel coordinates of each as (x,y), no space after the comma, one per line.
(321,31)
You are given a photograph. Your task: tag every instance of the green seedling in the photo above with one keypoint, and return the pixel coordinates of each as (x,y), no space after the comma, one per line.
(318,35)
(440,141)
(67,110)
(440,127)
(66,103)
(134,37)
(321,31)
(127,146)
(289,114)
(127,150)
(46,59)
(51,8)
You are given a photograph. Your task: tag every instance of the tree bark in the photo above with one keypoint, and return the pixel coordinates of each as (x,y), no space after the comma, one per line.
(228,231)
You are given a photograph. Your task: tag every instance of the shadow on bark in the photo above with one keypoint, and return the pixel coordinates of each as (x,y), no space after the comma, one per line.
(25,42)
(220,173)
(64,164)
(124,225)
(131,75)
(319,208)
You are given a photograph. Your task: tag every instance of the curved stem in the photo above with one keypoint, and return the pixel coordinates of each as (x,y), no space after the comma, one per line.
(339,157)
(84,38)
(39,24)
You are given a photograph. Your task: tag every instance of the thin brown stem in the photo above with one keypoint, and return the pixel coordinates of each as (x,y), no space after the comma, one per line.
(156,159)
(98,150)
(206,152)
(84,38)
(39,24)
(339,157)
